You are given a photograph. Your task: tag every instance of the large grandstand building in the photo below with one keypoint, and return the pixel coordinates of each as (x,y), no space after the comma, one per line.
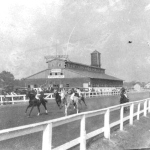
(62,72)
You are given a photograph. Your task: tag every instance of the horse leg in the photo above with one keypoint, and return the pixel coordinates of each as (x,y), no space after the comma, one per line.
(66,110)
(31,110)
(83,100)
(77,107)
(80,102)
(44,104)
(27,108)
(38,107)
(57,103)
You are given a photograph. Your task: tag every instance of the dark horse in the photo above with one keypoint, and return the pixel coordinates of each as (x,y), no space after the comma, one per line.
(124,98)
(81,98)
(58,99)
(35,102)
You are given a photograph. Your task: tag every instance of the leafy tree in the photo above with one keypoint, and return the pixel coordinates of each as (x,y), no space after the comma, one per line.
(6,77)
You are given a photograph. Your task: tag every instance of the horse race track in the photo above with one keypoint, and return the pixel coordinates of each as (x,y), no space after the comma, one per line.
(13,116)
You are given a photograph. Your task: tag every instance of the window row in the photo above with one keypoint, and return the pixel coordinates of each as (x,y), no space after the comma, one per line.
(54,65)
(106,85)
(85,68)
(56,73)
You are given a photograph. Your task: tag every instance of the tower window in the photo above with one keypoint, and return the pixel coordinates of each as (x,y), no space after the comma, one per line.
(67,85)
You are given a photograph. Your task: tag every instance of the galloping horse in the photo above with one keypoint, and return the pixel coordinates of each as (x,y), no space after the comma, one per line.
(78,94)
(58,99)
(81,99)
(124,98)
(35,102)
(68,101)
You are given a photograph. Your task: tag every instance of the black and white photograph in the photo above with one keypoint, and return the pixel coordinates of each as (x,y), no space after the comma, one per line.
(74,74)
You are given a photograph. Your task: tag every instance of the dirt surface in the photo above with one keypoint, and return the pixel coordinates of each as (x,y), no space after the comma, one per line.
(13,116)
(136,136)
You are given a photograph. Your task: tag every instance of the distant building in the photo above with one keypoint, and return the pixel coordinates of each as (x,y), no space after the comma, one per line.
(137,86)
(147,86)
(62,72)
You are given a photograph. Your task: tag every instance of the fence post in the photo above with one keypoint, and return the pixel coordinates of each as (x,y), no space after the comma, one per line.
(82,134)
(131,113)
(138,111)
(24,97)
(1,100)
(12,99)
(145,107)
(106,124)
(148,105)
(121,118)
(47,137)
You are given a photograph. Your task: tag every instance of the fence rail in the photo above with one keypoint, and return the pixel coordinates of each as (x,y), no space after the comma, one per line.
(49,96)
(47,126)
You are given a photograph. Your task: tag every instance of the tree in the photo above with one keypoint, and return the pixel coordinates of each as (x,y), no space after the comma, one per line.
(6,77)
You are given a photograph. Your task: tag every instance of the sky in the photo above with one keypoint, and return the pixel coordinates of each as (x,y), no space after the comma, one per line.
(33,29)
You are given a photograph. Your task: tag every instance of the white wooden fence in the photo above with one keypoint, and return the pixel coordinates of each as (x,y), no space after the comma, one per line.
(49,96)
(47,126)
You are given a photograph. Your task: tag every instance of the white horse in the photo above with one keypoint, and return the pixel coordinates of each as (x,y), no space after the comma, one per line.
(68,101)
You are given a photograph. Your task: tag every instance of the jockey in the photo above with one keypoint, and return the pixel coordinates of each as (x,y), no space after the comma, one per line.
(62,94)
(79,92)
(38,93)
(72,93)
(32,91)
(75,92)
(123,96)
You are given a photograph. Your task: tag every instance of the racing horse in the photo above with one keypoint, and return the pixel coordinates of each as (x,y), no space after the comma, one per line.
(124,98)
(77,93)
(81,99)
(67,101)
(57,97)
(33,101)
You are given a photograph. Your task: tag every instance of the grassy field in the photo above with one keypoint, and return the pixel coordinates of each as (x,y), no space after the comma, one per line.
(13,116)
(132,137)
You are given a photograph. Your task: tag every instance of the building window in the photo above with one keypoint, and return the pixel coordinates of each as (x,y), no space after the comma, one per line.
(35,86)
(67,85)
(59,65)
(55,73)
(61,73)
(50,73)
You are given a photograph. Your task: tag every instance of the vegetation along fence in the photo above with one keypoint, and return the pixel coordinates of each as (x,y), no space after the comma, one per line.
(49,96)
(47,126)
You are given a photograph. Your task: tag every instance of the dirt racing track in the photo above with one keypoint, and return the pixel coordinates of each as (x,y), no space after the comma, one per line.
(13,116)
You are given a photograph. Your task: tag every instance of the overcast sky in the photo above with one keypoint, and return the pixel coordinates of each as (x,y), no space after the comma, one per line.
(30,29)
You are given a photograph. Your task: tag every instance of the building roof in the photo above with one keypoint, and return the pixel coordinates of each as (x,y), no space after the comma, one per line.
(95,52)
(88,74)
(94,75)
(36,74)
(85,65)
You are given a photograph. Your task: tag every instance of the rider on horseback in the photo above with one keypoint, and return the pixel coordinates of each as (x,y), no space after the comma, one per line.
(37,95)
(76,92)
(124,98)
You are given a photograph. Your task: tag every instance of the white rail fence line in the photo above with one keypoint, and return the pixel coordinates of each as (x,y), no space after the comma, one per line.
(47,126)
(49,96)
